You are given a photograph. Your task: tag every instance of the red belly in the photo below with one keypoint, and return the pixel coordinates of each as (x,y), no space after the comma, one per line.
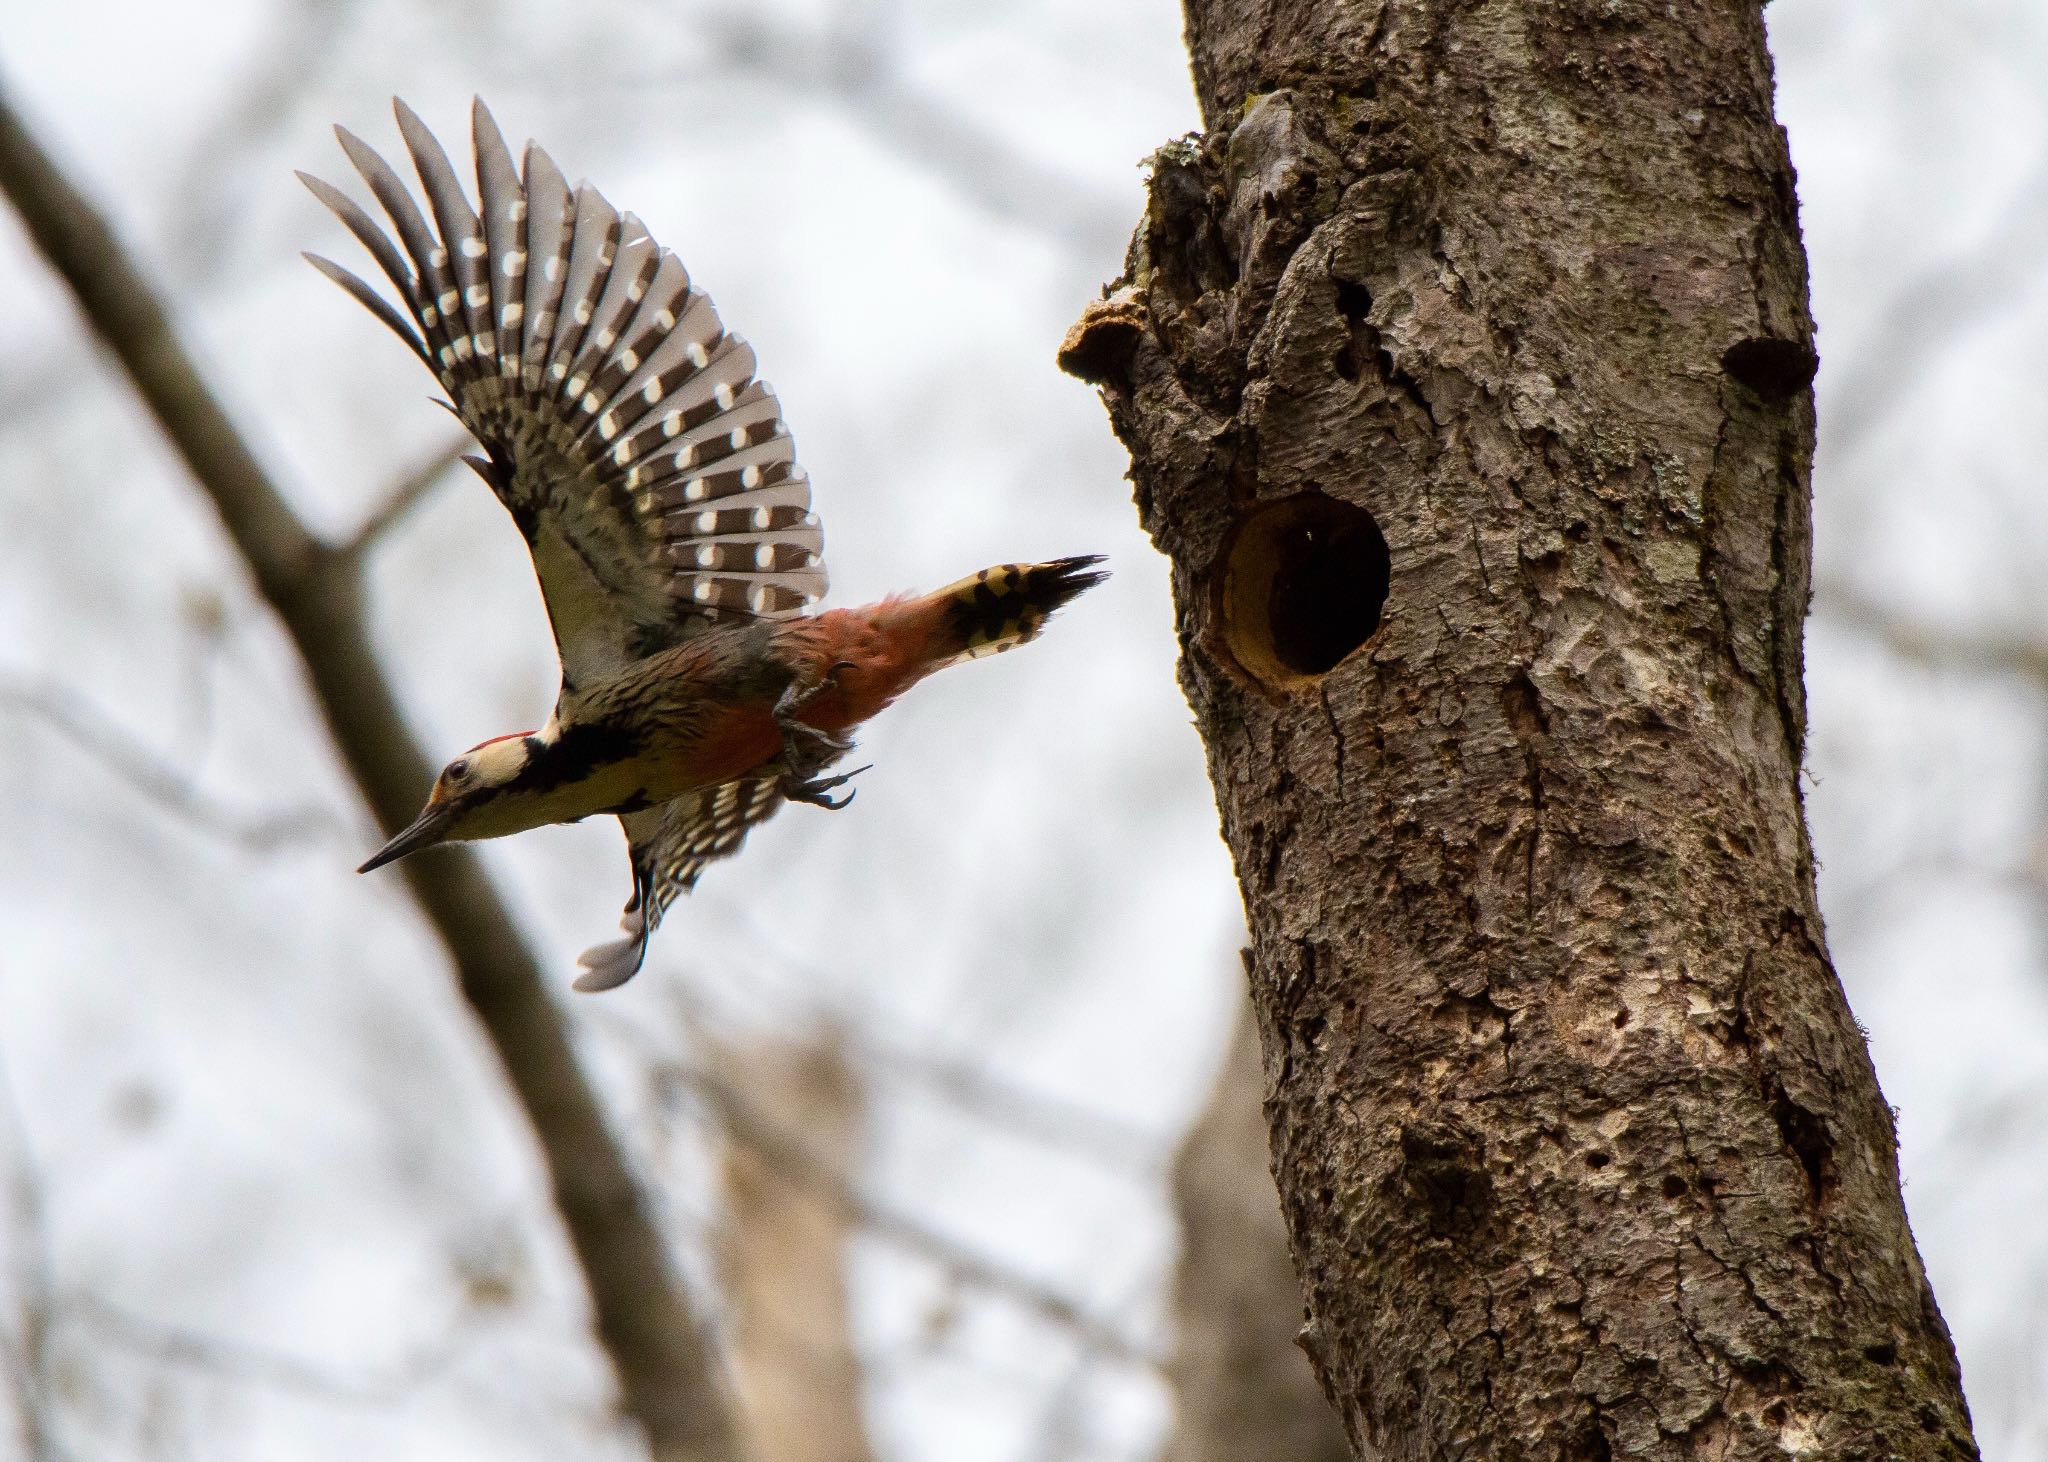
(872,654)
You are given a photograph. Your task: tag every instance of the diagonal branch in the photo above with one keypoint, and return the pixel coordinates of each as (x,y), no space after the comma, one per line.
(258,1365)
(149,774)
(851,65)
(657,1344)
(1937,647)
(795,1162)
(399,501)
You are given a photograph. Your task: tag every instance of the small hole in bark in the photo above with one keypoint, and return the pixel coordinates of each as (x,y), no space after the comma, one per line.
(1806,1137)
(1775,369)
(1884,1353)
(1598,1160)
(1674,1186)
(1594,1446)
(1304,581)
(1622,1017)
(1354,303)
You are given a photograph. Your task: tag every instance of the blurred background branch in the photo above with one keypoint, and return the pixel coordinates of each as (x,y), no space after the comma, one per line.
(658,1345)
(401,498)
(1243,1392)
(98,738)
(781,1254)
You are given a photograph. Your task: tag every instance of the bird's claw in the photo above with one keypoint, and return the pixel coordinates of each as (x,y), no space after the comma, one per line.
(817,790)
(805,749)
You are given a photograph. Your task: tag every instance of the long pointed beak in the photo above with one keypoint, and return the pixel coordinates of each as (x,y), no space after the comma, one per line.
(426,830)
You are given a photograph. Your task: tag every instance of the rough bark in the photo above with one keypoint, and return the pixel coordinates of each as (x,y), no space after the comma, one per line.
(667,1371)
(782,1255)
(1242,1390)
(1497,314)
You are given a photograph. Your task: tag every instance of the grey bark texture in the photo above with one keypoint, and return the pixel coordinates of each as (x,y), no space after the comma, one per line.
(1242,1390)
(1579,1147)
(660,1350)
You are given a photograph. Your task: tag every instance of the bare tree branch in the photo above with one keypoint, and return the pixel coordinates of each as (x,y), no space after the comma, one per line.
(402,497)
(658,1346)
(305,37)
(1938,647)
(156,779)
(1072,1128)
(238,1360)
(1937,308)
(850,66)
(795,1162)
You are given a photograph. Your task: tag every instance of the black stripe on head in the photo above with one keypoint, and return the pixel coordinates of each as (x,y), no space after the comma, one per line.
(575,754)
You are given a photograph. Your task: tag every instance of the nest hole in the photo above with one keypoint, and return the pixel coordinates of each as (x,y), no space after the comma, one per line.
(1305,582)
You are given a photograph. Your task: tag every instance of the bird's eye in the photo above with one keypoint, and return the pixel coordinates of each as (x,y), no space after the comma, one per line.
(458,769)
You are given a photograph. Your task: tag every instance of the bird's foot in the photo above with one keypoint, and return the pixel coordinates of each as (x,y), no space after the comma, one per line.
(817,790)
(805,749)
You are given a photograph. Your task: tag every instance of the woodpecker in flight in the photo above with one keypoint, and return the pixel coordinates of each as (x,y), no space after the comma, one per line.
(624,430)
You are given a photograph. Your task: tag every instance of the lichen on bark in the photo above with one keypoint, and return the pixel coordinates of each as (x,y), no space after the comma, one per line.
(1580,1149)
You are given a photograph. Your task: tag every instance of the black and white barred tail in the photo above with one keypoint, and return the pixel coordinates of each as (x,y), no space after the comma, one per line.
(1005,606)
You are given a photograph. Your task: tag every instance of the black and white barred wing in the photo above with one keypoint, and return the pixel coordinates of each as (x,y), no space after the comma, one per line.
(671,845)
(650,472)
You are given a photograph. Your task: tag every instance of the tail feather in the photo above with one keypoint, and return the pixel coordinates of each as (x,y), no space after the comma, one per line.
(1007,605)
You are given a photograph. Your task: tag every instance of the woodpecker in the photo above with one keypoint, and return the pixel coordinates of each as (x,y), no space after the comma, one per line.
(625,431)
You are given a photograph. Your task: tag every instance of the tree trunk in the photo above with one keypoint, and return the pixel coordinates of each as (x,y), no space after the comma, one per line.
(782,1250)
(1464,365)
(1241,1390)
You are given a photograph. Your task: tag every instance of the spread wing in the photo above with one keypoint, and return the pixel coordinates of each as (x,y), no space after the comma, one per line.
(621,423)
(671,844)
